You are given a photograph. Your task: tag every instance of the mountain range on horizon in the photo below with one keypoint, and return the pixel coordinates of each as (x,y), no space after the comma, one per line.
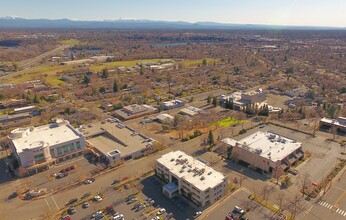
(11,22)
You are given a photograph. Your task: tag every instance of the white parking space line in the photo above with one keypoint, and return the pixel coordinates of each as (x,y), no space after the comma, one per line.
(47,203)
(55,203)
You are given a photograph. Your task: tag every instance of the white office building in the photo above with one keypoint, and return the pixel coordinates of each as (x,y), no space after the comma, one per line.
(190,177)
(38,147)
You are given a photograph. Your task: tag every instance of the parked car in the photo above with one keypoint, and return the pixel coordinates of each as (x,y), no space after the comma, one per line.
(98,198)
(66,217)
(239,210)
(110,210)
(140,207)
(85,205)
(96,213)
(161,211)
(132,200)
(72,210)
(197,214)
(169,215)
(61,175)
(293,171)
(88,181)
(118,217)
(72,201)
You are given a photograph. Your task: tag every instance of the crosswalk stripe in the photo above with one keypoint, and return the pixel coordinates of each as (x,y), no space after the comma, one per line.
(344,214)
(324,203)
(320,202)
(329,206)
(337,211)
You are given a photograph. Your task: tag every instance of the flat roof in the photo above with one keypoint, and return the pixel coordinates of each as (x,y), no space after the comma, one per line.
(341,121)
(127,142)
(191,170)
(51,134)
(25,108)
(269,145)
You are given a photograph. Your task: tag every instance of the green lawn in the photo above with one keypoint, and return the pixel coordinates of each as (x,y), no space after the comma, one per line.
(226,122)
(188,63)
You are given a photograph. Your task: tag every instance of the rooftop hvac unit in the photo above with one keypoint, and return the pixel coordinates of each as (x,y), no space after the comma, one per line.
(202,178)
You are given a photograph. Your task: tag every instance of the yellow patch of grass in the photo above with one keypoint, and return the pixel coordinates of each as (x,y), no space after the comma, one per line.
(70,42)
(189,63)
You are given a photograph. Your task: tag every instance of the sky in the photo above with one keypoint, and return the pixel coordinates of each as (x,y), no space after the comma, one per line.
(274,12)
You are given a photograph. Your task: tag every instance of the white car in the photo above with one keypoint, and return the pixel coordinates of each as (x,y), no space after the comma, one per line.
(98,198)
(88,181)
(197,214)
(161,211)
(118,217)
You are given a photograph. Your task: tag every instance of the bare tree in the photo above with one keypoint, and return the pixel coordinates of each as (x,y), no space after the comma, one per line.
(265,193)
(295,206)
(304,183)
(280,199)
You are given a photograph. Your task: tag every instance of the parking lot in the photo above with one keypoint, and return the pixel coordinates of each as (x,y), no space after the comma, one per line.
(83,169)
(240,198)
(179,206)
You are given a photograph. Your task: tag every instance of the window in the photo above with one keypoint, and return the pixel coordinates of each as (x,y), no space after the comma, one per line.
(39,157)
(52,152)
(59,149)
(66,149)
(78,144)
(72,147)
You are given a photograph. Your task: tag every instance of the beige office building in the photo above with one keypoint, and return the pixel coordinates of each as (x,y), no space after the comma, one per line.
(191,177)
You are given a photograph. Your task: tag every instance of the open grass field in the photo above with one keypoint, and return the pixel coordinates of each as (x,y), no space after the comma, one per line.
(189,63)
(49,71)
(70,42)
(226,122)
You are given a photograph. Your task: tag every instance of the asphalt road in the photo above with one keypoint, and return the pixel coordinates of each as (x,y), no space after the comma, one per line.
(25,65)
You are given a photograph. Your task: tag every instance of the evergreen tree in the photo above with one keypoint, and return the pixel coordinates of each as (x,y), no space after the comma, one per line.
(209,99)
(215,101)
(35,99)
(86,80)
(211,141)
(116,86)
(102,89)
(204,62)
(104,73)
